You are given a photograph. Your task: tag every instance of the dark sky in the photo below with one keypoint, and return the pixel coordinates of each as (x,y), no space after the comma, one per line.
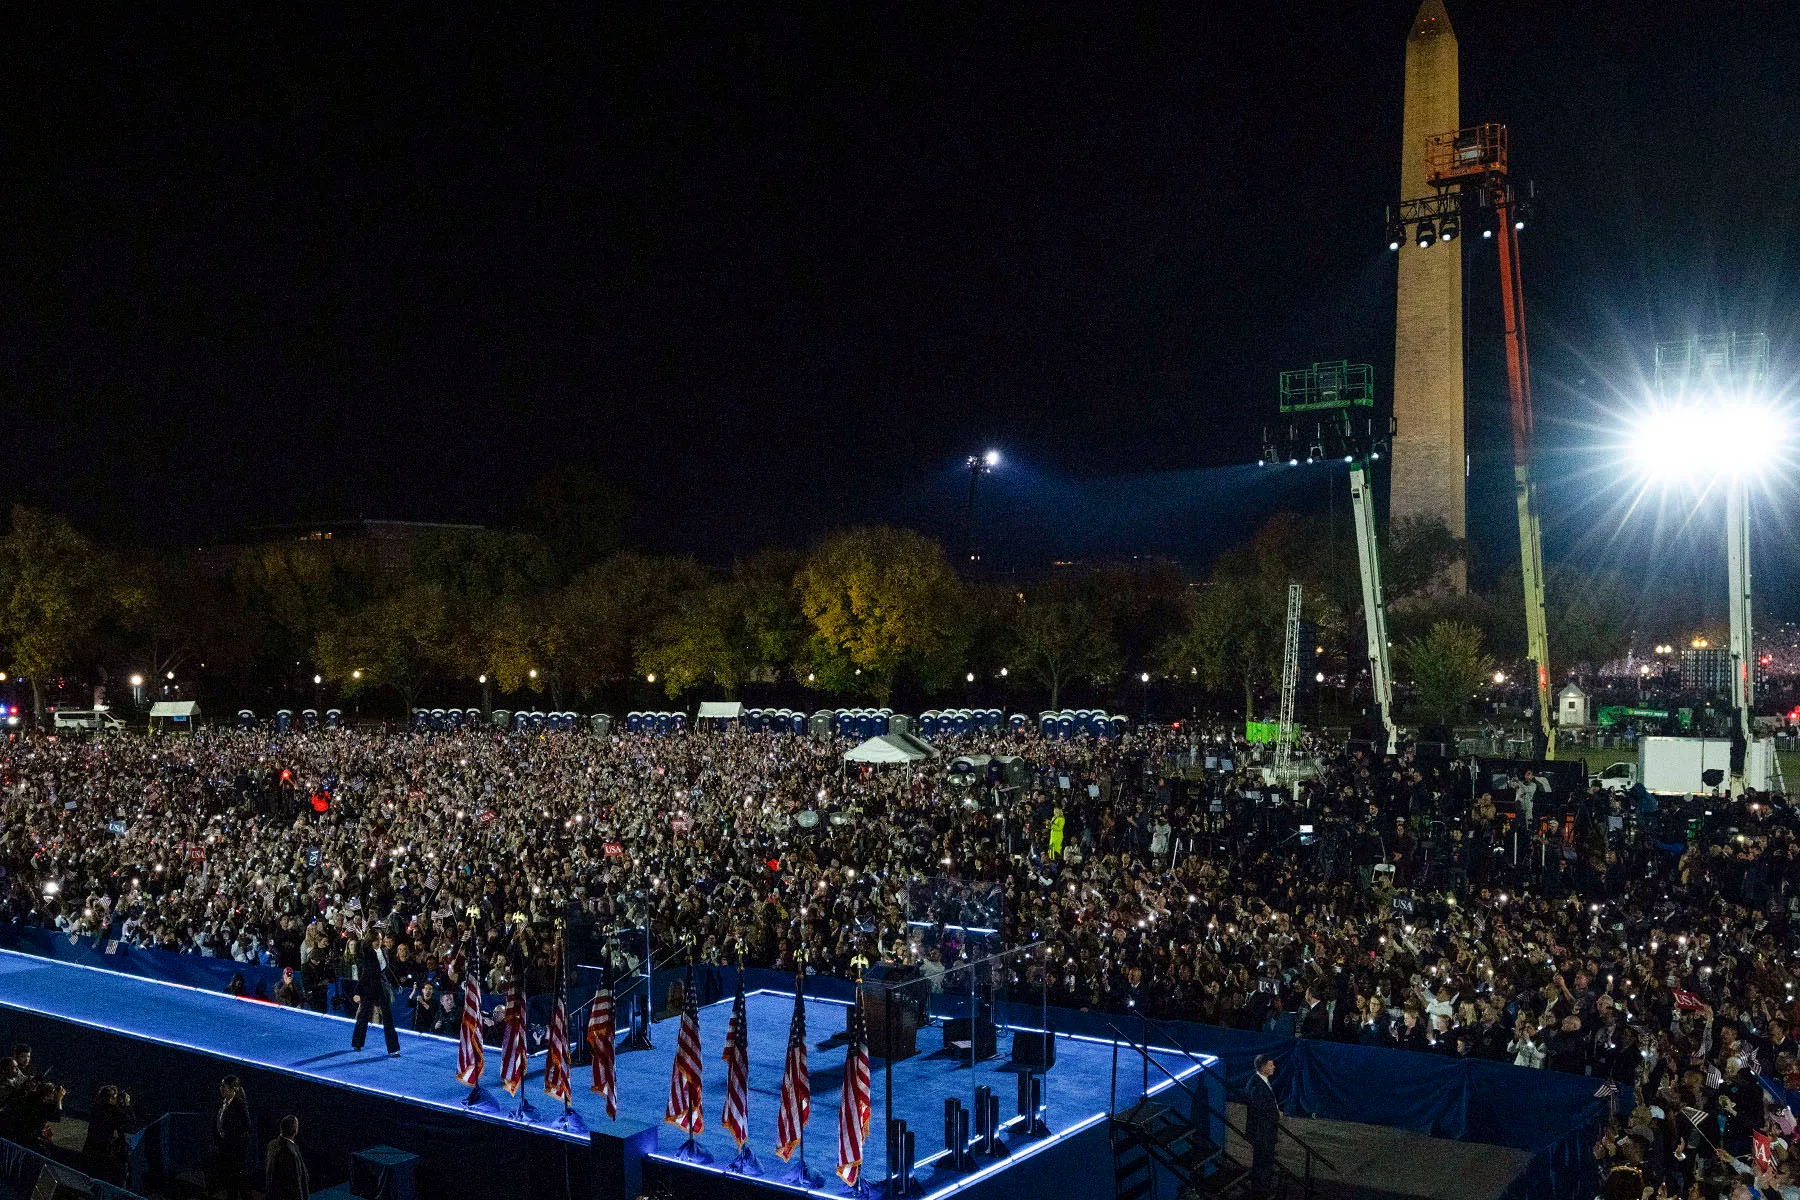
(777,267)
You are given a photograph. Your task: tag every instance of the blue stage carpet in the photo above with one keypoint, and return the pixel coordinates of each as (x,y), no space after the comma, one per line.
(315,1046)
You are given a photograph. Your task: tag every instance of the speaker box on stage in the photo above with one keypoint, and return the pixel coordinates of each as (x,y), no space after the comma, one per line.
(617,1163)
(1034,1051)
(986,1038)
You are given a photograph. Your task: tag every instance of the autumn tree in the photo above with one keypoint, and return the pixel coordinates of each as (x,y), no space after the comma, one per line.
(744,627)
(1446,668)
(1059,638)
(55,590)
(595,628)
(883,600)
(398,640)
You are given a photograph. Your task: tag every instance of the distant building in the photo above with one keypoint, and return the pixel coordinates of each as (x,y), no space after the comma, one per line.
(390,542)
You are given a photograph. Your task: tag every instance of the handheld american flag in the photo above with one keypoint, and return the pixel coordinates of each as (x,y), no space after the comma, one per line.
(470,1057)
(736,1116)
(600,1039)
(512,1044)
(796,1085)
(854,1105)
(556,1061)
(684,1079)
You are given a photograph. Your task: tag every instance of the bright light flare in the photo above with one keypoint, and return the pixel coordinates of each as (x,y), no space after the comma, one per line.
(1695,444)
(991,458)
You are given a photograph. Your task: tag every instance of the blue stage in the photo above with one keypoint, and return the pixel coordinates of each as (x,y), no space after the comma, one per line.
(167,1042)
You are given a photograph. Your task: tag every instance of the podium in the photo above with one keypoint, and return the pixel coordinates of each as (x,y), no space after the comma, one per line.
(893,1025)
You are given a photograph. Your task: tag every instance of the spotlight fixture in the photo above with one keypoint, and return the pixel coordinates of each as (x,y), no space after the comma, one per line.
(1449,227)
(1396,234)
(1519,223)
(1427,235)
(1487,233)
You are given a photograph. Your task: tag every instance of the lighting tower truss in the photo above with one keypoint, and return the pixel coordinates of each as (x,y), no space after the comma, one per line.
(1472,183)
(1290,679)
(1329,414)
(1700,370)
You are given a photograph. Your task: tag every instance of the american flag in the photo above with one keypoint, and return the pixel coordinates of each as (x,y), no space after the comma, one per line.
(796,1085)
(600,1039)
(1696,1116)
(684,1080)
(512,1044)
(853,1108)
(1609,1088)
(470,1057)
(556,1061)
(1687,1000)
(736,1117)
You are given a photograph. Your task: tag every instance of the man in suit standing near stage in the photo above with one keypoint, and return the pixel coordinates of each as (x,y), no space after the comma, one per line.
(1262,1123)
(284,1167)
(231,1137)
(374,989)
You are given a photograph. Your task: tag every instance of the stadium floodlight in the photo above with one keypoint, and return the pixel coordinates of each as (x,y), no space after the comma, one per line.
(1701,443)
(992,458)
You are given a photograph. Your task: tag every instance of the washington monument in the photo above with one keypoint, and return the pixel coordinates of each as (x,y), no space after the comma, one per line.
(1428,473)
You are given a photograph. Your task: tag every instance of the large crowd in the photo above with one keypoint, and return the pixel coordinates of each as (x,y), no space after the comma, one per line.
(1422,904)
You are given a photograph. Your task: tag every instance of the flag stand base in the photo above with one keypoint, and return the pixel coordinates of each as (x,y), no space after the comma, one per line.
(524,1111)
(801,1175)
(691,1151)
(475,1096)
(570,1122)
(745,1163)
(861,1190)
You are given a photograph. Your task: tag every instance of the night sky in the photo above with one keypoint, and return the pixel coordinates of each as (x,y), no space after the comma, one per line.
(778,267)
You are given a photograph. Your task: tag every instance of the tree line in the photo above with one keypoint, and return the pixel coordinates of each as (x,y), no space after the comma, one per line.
(558,612)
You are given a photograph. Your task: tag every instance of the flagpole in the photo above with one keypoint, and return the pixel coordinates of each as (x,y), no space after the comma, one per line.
(474,966)
(800,1175)
(745,1163)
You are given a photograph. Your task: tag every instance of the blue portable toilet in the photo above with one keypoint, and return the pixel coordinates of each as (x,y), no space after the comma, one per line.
(677,721)
(1017,722)
(884,722)
(538,720)
(1046,724)
(634,722)
(334,718)
(284,721)
(928,723)
(660,723)
(309,719)
(246,719)
(750,720)
(521,721)
(438,718)
(1065,726)
(453,718)
(471,717)
(1118,722)
(959,721)
(797,724)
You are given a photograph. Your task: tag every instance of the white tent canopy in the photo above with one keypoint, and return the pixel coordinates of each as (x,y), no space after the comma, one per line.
(178,710)
(891,748)
(725,710)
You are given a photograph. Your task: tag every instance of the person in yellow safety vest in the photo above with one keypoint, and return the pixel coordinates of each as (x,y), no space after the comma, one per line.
(1056,832)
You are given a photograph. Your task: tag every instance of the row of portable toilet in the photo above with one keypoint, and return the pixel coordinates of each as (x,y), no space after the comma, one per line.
(861,723)
(1080,722)
(773,720)
(659,723)
(286,722)
(438,720)
(942,723)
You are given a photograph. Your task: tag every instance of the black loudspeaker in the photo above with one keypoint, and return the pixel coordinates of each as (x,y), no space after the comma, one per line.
(1034,1051)
(986,1039)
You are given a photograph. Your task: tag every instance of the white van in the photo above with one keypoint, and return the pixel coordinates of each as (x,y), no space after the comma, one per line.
(95,720)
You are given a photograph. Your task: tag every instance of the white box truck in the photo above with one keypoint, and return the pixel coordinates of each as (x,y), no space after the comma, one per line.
(1674,766)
